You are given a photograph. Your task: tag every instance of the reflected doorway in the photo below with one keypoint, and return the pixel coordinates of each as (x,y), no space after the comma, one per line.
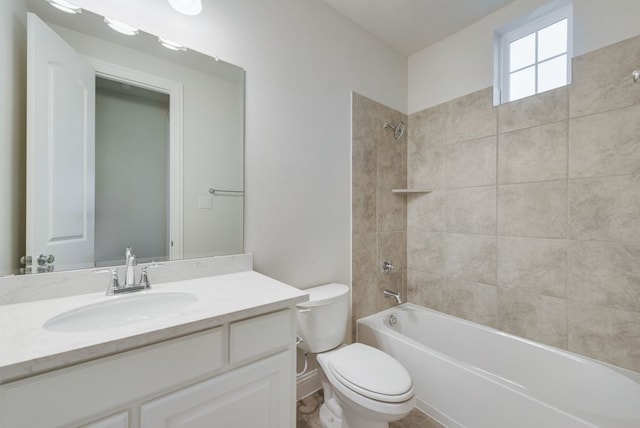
(132,172)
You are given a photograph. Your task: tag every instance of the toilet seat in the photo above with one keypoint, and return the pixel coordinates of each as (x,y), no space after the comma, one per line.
(371,373)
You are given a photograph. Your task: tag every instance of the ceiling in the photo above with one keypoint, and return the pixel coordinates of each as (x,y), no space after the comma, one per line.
(412,25)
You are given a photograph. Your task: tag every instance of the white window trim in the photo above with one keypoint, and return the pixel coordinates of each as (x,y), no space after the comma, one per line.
(514,30)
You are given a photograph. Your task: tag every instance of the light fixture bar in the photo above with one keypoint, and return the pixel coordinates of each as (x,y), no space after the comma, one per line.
(64,6)
(121,27)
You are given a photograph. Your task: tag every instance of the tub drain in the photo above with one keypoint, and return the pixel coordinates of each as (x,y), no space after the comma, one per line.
(393,320)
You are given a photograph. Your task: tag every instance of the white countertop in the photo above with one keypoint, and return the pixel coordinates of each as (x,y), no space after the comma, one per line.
(26,348)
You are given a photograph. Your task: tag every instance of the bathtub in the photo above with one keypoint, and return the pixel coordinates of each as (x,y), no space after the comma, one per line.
(469,375)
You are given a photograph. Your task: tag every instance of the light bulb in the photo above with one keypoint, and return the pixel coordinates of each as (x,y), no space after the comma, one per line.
(121,27)
(169,44)
(64,6)
(187,7)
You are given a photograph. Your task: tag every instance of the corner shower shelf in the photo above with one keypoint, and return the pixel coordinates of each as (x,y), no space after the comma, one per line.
(407,191)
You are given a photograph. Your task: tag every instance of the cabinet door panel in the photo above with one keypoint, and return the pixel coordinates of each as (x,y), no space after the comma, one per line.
(121,420)
(109,383)
(256,395)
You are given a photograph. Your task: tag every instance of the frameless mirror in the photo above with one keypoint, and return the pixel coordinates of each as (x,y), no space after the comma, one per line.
(130,144)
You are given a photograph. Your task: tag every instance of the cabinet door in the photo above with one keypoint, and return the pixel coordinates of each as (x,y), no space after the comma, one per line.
(120,420)
(257,395)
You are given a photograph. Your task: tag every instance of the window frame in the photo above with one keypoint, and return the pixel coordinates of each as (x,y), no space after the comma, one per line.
(546,16)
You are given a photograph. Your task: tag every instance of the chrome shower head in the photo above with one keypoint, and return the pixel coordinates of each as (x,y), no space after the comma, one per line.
(398,129)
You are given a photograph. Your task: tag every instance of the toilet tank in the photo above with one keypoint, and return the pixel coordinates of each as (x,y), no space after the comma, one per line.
(322,321)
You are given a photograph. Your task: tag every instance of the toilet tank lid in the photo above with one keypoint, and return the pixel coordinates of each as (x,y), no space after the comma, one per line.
(324,294)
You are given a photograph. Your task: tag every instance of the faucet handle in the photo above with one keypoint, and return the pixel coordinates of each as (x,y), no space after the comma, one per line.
(114,284)
(387,267)
(144,276)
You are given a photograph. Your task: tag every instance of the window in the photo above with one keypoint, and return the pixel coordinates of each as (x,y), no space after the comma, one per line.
(533,54)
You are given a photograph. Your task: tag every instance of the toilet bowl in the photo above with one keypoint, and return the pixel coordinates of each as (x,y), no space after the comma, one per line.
(363,386)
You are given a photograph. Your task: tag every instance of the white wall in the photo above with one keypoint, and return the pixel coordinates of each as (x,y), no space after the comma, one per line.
(463,63)
(13,66)
(302,61)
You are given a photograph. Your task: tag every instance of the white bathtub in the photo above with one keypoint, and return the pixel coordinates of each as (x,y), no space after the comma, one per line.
(469,375)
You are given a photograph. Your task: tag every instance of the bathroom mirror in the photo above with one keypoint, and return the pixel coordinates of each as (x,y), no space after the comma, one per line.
(164,174)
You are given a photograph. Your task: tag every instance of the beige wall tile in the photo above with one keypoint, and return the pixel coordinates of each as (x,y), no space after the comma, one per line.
(532,316)
(605,209)
(426,164)
(392,246)
(536,210)
(472,210)
(471,257)
(364,267)
(426,212)
(429,126)
(364,162)
(391,165)
(602,79)
(363,204)
(472,116)
(364,274)
(606,334)
(541,109)
(364,300)
(604,274)
(533,154)
(471,163)
(538,266)
(605,144)
(426,289)
(391,211)
(472,301)
(365,121)
(425,251)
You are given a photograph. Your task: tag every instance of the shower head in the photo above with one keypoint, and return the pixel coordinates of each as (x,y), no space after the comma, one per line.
(398,129)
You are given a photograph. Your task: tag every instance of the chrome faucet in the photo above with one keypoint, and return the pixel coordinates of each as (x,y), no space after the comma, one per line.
(130,266)
(393,294)
(130,284)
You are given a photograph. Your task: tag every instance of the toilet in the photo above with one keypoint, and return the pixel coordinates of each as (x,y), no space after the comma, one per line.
(363,386)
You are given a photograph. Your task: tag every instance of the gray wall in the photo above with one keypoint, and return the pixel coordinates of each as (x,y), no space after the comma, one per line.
(132,170)
(534,223)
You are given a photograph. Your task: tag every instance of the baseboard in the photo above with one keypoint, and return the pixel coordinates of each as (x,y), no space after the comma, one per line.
(307,384)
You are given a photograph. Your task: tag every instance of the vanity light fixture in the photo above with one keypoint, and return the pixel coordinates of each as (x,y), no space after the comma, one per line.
(64,6)
(187,7)
(171,44)
(121,27)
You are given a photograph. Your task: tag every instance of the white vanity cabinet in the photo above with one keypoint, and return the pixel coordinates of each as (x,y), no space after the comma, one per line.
(240,374)
(252,396)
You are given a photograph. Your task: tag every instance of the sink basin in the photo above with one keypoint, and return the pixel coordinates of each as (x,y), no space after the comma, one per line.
(120,311)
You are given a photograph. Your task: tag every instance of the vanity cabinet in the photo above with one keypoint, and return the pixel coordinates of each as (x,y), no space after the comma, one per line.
(251,396)
(120,420)
(240,374)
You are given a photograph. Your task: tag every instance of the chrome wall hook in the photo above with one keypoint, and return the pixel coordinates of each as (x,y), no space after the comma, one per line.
(636,76)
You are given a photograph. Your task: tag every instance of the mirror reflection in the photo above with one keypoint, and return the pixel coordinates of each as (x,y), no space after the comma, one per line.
(131,143)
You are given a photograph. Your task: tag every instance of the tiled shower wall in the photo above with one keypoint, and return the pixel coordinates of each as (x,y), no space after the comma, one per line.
(533,226)
(379,216)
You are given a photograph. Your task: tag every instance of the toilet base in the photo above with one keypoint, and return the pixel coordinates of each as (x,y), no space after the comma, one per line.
(330,420)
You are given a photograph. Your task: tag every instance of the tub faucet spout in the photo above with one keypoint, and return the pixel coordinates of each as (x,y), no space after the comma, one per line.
(393,294)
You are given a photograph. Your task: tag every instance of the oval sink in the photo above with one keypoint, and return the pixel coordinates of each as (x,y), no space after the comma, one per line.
(120,311)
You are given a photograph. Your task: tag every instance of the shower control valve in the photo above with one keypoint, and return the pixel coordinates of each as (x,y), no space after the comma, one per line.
(387,267)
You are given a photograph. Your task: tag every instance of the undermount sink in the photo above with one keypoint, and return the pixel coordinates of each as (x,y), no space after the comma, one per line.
(120,311)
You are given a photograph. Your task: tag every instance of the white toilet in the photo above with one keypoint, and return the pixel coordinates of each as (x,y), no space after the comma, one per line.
(363,386)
